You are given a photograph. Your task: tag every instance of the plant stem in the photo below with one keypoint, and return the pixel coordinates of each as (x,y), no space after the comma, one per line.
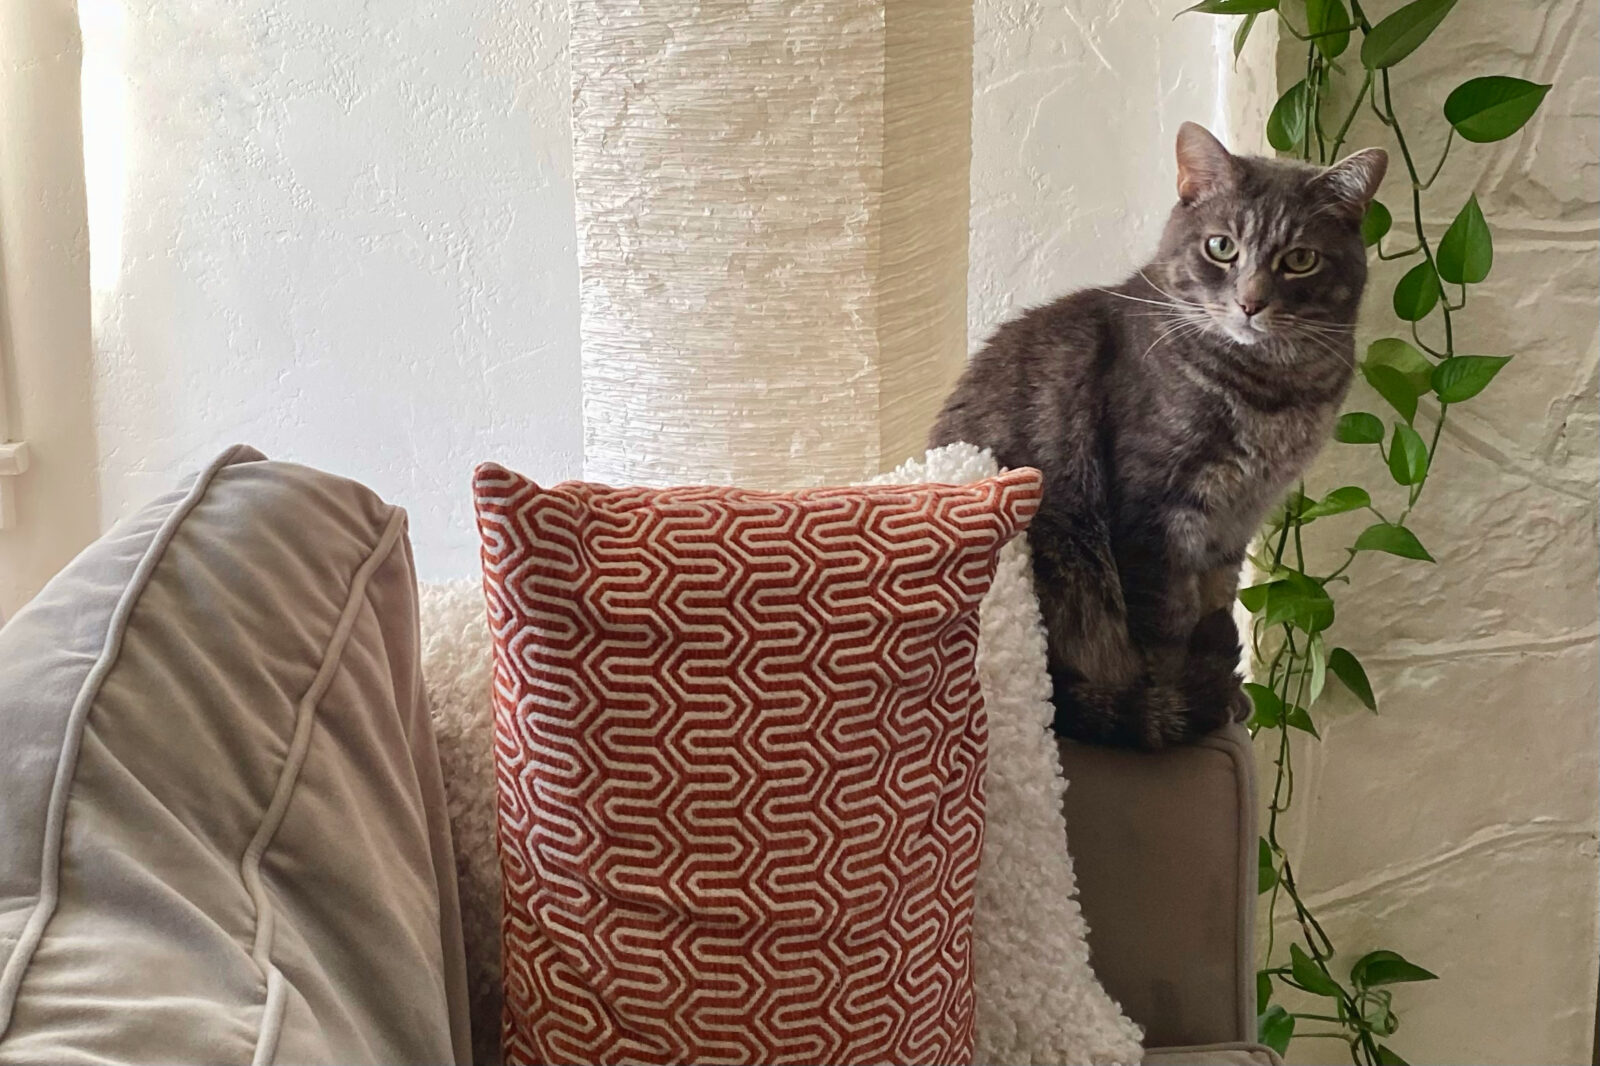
(1416,201)
(1433,449)
(1391,256)
(1449,139)
(1344,127)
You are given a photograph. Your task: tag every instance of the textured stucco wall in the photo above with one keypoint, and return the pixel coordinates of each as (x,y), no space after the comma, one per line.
(1076,104)
(771,214)
(1459,825)
(341,232)
(44,315)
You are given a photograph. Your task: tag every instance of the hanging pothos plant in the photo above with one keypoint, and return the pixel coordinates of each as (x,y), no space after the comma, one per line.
(1350,64)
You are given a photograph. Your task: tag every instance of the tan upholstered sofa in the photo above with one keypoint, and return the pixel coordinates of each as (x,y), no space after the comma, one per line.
(208,856)
(1164,846)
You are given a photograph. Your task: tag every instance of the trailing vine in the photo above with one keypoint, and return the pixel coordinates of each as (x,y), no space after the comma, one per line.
(1292,606)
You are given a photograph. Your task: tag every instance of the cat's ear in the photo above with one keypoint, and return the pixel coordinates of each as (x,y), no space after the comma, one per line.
(1352,182)
(1204,166)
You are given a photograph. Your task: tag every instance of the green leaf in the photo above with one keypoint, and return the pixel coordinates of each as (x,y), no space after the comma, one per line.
(1263,990)
(1349,498)
(1286,126)
(1268,707)
(1417,293)
(1347,668)
(1389,1058)
(1325,15)
(1391,351)
(1266,872)
(1231,7)
(1299,718)
(1466,251)
(1493,108)
(1375,223)
(1386,968)
(1408,456)
(1358,427)
(1295,599)
(1394,387)
(1303,603)
(1397,36)
(1242,34)
(1396,540)
(1462,377)
(1309,975)
(1275,1028)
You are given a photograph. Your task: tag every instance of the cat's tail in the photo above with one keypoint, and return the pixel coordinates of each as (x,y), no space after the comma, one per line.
(1150,716)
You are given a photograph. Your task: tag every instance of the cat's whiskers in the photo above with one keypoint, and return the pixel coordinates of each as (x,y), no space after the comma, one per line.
(1322,342)
(1314,324)
(1174,297)
(1173,304)
(1166,315)
(1188,326)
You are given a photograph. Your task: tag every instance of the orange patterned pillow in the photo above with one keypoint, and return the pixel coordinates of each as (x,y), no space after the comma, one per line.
(740,749)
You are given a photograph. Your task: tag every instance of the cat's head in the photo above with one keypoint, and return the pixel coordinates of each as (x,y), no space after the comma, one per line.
(1264,250)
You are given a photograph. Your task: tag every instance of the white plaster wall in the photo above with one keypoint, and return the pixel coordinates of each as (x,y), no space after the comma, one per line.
(341,232)
(45,359)
(1459,825)
(1076,104)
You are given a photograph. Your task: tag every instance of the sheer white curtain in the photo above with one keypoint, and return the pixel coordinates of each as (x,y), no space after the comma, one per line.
(51,510)
(13,456)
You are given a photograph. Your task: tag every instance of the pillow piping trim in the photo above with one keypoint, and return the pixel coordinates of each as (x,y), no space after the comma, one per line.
(1234,742)
(44,907)
(272,1008)
(1249,1046)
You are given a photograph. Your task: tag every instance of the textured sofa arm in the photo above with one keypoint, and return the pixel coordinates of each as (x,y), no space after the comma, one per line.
(1163,845)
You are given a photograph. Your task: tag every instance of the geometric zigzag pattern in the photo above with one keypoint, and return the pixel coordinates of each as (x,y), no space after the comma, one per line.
(740,751)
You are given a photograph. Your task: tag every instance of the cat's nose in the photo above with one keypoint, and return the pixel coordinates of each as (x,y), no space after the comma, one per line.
(1251,306)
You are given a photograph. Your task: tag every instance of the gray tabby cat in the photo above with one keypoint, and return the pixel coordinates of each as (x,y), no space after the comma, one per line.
(1167,414)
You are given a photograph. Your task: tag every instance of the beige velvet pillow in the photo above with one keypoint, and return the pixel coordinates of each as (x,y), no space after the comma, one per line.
(222,832)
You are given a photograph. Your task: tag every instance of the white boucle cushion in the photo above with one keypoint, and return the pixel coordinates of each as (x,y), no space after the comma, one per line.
(457,665)
(1038,1000)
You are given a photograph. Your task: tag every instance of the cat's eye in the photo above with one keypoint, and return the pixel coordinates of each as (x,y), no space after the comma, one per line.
(1221,248)
(1299,261)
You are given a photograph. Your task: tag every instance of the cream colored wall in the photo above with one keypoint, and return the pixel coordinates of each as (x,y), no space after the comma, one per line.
(1459,825)
(44,317)
(772,233)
